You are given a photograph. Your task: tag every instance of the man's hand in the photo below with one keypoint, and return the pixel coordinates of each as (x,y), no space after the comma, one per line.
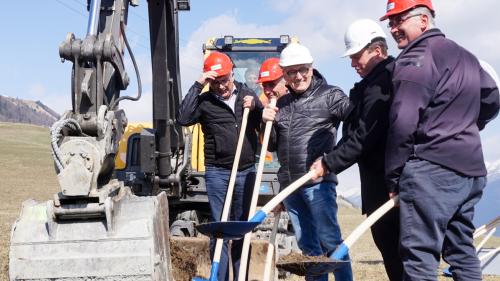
(248,102)
(269,113)
(279,208)
(207,77)
(319,168)
(392,195)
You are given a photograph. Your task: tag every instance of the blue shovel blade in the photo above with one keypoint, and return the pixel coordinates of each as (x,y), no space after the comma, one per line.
(227,229)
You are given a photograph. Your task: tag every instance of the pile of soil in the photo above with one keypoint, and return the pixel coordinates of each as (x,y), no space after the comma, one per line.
(183,262)
(300,265)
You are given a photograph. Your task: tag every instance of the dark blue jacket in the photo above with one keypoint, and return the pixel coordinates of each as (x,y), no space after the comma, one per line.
(442,98)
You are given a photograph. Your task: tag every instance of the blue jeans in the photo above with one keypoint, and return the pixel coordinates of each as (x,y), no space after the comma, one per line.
(313,212)
(436,211)
(217,181)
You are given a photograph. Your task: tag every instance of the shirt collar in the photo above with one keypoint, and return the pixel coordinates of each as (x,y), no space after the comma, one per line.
(222,99)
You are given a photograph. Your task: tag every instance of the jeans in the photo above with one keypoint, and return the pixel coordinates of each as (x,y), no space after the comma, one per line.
(436,211)
(217,182)
(313,212)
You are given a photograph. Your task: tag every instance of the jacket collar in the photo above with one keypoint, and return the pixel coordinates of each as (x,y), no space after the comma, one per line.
(379,68)
(427,34)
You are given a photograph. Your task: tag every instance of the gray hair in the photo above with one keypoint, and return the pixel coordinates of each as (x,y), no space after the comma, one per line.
(425,11)
(380,43)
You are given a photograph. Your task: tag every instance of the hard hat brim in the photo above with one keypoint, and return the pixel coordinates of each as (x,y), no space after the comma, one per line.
(351,52)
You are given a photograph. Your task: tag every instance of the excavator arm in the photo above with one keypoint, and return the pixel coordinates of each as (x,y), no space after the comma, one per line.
(95,228)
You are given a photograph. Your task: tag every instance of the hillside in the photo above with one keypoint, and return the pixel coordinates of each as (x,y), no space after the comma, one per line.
(26,170)
(25,111)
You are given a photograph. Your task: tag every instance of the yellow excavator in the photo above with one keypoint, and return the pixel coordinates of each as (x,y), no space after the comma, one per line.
(130,194)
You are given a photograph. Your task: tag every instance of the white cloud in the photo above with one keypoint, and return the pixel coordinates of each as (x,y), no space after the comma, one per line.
(490,147)
(320,25)
(37,91)
(57,101)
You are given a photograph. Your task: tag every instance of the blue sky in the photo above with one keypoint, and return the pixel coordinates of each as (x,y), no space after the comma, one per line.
(32,30)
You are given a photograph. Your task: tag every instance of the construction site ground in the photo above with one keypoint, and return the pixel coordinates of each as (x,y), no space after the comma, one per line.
(27,171)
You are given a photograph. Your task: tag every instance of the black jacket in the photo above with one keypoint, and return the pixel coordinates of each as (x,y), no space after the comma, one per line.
(364,136)
(442,98)
(305,128)
(221,126)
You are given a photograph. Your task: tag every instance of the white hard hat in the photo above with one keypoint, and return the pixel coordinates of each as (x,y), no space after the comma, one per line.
(359,34)
(295,54)
(490,70)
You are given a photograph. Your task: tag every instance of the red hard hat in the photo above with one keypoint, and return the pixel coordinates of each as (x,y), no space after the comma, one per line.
(270,70)
(219,63)
(399,6)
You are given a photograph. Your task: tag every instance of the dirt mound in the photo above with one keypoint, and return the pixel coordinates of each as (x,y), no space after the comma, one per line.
(190,258)
(301,265)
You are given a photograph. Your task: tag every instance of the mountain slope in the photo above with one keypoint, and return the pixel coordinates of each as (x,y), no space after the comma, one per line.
(25,111)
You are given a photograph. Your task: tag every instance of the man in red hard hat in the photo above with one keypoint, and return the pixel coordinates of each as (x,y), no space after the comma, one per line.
(220,112)
(273,85)
(271,79)
(442,99)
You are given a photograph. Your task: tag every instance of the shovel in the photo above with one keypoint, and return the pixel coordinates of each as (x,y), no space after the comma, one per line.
(255,195)
(271,249)
(322,267)
(488,229)
(229,196)
(237,229)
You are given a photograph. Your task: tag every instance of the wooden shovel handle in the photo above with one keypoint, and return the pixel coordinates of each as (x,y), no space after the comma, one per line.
(255,196)
(287,191)
(369,221)
(230,188)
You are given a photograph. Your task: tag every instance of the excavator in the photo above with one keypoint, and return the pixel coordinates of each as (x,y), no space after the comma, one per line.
(130,194)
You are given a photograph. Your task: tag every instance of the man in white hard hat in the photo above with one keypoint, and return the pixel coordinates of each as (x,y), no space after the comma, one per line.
(364,135)
(305,127)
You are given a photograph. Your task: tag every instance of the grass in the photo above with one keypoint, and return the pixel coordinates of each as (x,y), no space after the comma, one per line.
(26,171)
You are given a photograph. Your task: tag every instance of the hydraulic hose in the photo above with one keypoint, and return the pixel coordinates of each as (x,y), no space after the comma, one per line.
(132,57)
(55,136)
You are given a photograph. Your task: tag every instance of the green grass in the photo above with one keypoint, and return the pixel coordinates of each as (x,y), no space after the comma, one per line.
(27,171)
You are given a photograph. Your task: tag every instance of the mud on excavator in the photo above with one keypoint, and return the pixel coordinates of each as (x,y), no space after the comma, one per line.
(127,209)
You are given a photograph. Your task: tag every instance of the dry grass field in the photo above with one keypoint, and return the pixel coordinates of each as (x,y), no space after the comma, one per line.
(26,171)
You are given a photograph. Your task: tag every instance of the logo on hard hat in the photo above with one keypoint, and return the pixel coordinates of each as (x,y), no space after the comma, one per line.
(216,67)
(390,6)
(264,74)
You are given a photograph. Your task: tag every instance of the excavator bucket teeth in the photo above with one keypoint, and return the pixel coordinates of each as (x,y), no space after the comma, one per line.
(136,248)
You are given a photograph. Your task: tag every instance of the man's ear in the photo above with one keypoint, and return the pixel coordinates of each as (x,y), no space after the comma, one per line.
(424,20)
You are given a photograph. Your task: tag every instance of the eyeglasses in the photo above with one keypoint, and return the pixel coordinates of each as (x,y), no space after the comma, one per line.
(222,81)
(399,20)
(293,72)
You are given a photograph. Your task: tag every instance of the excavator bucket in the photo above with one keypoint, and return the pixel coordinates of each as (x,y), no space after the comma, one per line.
(132,243)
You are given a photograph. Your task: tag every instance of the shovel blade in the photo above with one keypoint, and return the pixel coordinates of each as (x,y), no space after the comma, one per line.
(312,268)
(227,229)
